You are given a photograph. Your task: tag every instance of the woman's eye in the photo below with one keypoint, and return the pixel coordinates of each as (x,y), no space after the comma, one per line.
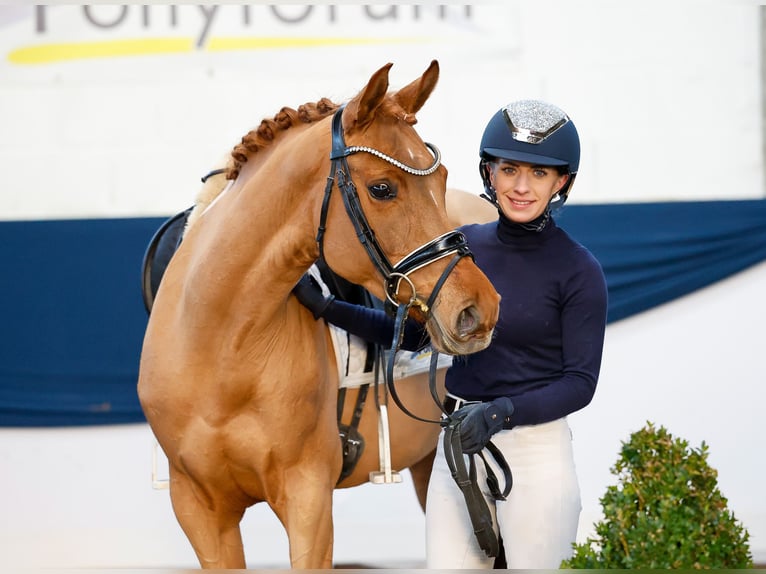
(382,191)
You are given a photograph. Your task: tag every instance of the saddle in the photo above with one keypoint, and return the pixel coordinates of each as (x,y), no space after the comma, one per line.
(163,245)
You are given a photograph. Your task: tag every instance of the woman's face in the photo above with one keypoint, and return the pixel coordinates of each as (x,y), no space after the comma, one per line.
(524,189)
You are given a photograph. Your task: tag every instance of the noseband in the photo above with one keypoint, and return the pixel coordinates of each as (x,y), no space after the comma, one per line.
(453,242)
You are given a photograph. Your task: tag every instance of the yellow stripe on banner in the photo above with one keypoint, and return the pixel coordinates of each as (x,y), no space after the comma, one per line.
(255,43)
(48,53)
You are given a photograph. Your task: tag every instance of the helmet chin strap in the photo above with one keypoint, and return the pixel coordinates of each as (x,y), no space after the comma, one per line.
(538,224)
(490,195)
(489,192)
(563,194)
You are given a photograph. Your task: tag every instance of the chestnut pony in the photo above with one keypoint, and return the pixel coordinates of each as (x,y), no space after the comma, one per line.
(237,380)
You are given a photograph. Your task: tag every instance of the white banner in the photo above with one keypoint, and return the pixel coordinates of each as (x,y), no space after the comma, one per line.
(117,110)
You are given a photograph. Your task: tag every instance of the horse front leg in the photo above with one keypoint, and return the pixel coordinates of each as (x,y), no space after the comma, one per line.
(311,541)
(211,526)
(305,510)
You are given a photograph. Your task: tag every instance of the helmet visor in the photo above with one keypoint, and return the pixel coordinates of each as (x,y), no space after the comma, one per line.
(533,158)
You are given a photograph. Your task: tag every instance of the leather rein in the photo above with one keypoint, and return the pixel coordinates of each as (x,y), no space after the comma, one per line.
(451,243)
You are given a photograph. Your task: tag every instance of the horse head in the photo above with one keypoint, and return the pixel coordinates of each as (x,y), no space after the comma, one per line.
(396,186)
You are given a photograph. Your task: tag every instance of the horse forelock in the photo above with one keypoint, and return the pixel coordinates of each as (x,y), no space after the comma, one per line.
(269,129)
(391,107)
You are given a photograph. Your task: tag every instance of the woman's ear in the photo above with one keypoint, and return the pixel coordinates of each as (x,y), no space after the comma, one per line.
(562,181)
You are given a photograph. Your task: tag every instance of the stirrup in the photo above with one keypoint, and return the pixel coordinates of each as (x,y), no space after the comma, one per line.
(385,475)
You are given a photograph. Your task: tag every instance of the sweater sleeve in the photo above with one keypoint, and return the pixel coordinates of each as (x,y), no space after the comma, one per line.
(375,325)
(583,329)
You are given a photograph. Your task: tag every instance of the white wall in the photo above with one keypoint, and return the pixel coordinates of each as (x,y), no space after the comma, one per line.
(666,96)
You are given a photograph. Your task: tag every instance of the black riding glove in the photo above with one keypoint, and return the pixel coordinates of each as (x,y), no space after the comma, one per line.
(479,421)
(309,293)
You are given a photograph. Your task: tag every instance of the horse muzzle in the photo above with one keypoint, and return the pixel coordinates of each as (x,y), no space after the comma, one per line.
(468,331)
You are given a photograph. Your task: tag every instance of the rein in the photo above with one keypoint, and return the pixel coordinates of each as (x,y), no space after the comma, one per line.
(451,243)
(465,478)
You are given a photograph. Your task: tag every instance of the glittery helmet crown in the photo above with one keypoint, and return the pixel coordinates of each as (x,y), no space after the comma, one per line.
(531,131)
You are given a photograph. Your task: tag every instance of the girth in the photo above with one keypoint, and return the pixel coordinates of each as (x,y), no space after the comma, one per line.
(352,442)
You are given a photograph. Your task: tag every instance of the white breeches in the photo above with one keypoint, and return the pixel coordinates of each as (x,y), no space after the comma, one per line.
(538,521)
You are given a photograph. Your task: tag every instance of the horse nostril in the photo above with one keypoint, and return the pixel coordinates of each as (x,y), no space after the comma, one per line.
(467,321)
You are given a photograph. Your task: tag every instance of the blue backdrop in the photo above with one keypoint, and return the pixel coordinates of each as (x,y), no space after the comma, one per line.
(73,316)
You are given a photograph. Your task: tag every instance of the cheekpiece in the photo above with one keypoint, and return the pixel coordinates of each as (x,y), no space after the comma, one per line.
(532,121)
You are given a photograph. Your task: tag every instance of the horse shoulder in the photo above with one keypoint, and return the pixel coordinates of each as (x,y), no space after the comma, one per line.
(464,207)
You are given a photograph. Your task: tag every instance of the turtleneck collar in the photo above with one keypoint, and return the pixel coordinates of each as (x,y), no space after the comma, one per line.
(509,231)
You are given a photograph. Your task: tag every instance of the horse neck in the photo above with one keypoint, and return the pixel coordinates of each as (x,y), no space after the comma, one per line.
(261,234)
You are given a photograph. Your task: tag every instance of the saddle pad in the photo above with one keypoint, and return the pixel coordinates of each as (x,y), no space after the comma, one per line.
(351,355)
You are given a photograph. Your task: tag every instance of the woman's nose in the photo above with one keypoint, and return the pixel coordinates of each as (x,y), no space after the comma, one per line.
(522,183)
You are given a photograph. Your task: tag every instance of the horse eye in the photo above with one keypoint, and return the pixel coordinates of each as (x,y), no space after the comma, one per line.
(382,191)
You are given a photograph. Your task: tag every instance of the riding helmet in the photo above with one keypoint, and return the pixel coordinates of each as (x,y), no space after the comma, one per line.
(531,131)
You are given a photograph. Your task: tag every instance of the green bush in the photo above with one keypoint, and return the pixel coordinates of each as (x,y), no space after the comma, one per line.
(665,512)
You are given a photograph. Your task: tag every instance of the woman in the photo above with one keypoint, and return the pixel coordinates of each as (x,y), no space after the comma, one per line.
(543,362)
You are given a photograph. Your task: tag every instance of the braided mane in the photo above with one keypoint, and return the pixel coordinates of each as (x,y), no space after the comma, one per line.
(263,136)
(269,129)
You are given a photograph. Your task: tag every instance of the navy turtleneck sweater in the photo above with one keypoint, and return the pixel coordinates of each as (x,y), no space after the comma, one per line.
(547,346)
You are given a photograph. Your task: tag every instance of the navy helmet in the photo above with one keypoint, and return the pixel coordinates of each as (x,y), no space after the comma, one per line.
(531,131)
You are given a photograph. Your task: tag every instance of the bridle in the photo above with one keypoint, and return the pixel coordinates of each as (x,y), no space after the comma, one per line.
(452,242)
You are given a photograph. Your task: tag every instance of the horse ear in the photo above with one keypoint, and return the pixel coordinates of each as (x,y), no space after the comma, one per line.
(413,96)
(361,110)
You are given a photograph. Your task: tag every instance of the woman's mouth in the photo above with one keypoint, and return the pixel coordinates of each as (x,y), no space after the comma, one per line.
(521,203)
